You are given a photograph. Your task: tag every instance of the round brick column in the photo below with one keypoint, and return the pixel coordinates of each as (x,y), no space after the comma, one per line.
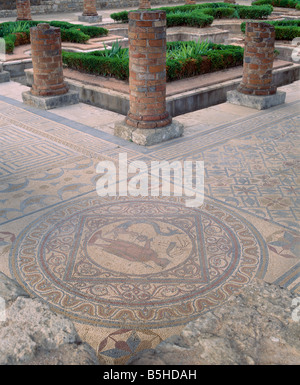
(23,10)
(89,8)
(48,79)
(147,70)
(258,60)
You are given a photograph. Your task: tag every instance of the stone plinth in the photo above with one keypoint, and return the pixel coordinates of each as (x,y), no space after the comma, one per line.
(49,89)
(256,89)
(23,10)
(90,14)
(147,81)
(257,102)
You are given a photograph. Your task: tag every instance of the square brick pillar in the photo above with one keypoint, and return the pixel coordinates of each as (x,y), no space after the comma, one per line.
(148,121)
(90,14)
(256,89)
(23,10)
(49,89)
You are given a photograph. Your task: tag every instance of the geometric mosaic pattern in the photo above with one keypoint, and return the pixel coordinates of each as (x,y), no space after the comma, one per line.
(137,263)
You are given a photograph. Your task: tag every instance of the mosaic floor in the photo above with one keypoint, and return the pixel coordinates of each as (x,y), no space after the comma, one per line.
(132,271)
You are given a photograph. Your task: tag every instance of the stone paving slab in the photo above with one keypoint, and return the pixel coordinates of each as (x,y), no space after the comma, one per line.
(61,241)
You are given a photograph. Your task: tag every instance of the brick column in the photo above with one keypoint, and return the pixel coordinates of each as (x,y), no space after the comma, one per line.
(258,60)
(47,61)
(147,69)
(190,2)
(144,4)
(23,10)
(89,8)
(90,14)
(256,89)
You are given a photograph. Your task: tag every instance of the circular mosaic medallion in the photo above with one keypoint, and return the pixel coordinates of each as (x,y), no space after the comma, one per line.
(132,263)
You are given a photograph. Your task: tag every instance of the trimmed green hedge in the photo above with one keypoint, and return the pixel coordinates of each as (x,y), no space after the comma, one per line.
(97,64)
(102,63)
(216,10)
(76,33)
(284,29)
(279,3)
(190,19)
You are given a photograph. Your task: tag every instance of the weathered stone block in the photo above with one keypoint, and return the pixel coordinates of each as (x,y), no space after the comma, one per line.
(90,19)
(148,136)
(254,101)
(50,102)
(4,76)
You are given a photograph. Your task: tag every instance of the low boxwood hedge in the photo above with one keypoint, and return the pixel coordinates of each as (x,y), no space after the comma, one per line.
(190,19)
(216,10)
(17,33)
(284,29)
(217,57)
(279,3)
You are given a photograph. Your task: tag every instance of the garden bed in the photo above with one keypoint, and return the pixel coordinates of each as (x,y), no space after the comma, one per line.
(279,3)
(184,59)
(18,32)
(202,15)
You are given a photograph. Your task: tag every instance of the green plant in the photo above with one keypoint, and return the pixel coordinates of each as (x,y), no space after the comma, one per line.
(184,59)
(120,16)
(14,32)
(189,14)
(254,12)
(74,36)
(278,3)
(188,50)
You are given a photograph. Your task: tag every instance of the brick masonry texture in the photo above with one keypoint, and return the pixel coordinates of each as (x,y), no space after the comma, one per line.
(23,10)
(89,8)
(258,60)
(147,70)
(144,4)
(47,61)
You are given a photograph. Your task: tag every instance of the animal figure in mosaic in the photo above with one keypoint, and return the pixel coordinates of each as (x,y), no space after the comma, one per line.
(128,250)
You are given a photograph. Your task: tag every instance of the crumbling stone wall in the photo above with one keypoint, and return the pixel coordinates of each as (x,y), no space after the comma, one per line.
(8,7)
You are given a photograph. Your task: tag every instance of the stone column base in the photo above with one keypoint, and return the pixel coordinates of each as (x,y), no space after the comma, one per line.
(50,102)
(257,102)
(148,136)
(4,76)
(90,19)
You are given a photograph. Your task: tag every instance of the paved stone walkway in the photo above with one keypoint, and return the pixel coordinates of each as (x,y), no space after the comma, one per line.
(132,271)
